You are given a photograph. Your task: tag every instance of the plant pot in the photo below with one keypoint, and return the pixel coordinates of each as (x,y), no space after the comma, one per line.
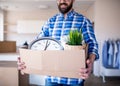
(74,47)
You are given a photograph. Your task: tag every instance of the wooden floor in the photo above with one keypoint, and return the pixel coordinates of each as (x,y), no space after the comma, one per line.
(97,81)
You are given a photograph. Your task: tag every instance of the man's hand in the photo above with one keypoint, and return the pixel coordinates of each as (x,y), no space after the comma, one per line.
(21,65)
(85,72)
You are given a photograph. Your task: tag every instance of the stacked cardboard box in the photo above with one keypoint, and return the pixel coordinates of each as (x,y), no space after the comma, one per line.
(7,46)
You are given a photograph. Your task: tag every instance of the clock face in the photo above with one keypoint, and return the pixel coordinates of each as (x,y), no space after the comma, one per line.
(46,43)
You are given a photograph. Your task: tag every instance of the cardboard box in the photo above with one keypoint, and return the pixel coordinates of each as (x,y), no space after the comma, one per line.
(7,46)
(8,73)
(61,63)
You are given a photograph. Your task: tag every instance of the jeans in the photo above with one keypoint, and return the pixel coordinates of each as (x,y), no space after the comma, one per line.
(48,83)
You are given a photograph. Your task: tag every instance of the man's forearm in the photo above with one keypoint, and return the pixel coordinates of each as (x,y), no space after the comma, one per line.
(92,57)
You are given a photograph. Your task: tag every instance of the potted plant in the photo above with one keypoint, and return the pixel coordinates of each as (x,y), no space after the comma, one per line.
(74,40)
(75,37)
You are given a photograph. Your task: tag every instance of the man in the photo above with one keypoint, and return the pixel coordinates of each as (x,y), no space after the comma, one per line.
(60,25)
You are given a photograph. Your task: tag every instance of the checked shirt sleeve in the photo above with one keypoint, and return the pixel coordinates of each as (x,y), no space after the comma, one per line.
(89,38)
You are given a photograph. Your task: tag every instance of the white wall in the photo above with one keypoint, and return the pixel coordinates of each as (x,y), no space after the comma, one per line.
(12,17)
(107,19)
(107,25)
(1,25)
(90,13)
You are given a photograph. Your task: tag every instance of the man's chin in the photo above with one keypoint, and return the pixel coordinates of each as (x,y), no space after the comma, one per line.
(63,12)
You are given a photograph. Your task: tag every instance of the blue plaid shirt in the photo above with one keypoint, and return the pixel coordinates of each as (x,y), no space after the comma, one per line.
(58,26)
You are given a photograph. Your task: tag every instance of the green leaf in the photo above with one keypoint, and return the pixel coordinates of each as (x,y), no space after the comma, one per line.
(75,37)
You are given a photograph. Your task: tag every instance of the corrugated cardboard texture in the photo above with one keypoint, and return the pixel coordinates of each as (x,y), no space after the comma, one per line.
(59,63)
(7,46)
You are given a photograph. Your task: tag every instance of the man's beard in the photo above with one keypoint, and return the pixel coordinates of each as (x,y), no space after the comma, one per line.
(64,10)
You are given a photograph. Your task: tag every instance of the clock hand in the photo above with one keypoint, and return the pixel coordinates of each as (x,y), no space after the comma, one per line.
(46,45)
